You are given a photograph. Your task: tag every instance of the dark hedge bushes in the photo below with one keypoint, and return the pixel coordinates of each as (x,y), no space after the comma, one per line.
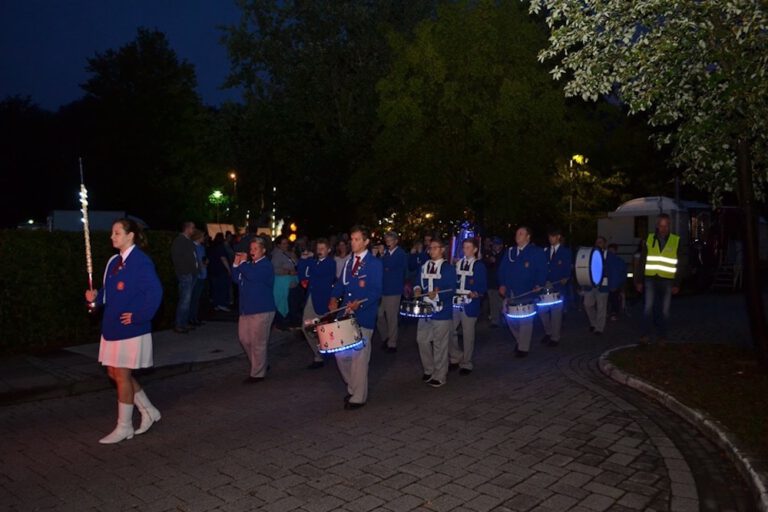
(43,279)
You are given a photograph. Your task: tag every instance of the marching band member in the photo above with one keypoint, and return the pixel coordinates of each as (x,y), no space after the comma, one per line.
(395,263)
(255,278)
(523,269)
(471,286)
(559,261)
(320,274)
(131,294)
(433,335)
(361,279)
(596,297)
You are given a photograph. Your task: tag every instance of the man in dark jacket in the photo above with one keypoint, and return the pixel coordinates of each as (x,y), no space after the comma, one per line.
(185,265)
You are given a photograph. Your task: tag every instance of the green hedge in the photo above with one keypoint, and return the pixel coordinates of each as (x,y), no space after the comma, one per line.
(42,284)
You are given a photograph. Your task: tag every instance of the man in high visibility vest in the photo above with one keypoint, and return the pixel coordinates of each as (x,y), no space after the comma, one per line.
(660,279)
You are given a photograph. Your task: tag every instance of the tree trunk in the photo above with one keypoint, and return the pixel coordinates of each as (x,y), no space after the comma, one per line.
(751,259)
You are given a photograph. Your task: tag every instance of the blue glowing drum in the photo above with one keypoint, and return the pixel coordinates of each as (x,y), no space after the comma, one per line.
(549,297)
(589,266)
(416,309)
(520,310)
(339,335)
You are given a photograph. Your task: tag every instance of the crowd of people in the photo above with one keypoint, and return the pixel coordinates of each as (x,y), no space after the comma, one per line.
(375,285)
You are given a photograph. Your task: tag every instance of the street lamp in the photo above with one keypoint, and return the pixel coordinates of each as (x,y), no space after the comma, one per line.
(216,198)
(581,160)
(233,177)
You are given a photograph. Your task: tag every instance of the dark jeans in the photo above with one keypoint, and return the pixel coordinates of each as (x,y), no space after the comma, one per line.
(658,296)
(220,286)
(194,306)
(614,303)
(186,285)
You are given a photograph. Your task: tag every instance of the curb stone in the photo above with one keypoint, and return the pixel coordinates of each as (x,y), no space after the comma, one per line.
(751,469)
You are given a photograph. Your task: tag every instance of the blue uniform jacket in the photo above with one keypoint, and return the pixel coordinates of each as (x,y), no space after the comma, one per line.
(616,269)
(255,282)
(476,283)
(366,284)
(521,273)
(558,266)
(395,271)
(131,288)
(321,276)
(447,281)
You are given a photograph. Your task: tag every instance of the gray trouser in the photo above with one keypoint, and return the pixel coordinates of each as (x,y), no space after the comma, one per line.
(434,338)
(253,331)
(494,304)
(386,323)
(552,320)
(309,313)
(353,366)
(522,330)
(596,304)
(457,355)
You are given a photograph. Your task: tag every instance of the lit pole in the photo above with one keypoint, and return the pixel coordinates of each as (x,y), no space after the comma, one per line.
(233,177)
(581,160)
(216,198)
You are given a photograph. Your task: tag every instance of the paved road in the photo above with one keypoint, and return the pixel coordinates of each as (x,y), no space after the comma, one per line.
(543,433)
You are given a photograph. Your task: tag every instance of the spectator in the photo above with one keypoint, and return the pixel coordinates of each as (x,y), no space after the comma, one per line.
(184,258)
(221,274)
(198,238)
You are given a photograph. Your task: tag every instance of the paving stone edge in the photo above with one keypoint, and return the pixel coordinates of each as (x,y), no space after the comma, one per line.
(752,470)
(91,384)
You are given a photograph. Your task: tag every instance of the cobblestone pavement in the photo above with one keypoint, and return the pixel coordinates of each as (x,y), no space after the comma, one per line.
(545,433)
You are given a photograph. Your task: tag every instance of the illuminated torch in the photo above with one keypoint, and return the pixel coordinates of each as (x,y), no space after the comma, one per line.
(86,234)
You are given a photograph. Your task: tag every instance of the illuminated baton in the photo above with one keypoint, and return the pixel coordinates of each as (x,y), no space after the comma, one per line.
(86,233)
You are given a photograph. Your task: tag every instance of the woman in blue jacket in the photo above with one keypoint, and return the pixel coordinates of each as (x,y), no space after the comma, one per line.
(130,295)
(255,279)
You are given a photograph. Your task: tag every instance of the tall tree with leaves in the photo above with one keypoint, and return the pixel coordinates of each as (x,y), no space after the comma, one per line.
(470,119)
(145,148)
(700,72)
(309,71)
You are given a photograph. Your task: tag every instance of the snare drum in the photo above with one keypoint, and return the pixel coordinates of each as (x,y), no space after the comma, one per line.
(416,309)
(520,310)
(549,297)
(338,335)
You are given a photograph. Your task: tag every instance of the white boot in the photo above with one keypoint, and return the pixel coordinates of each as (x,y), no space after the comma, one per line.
(124,428)
(149,413)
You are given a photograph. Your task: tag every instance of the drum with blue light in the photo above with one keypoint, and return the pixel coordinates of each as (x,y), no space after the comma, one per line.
(590,266)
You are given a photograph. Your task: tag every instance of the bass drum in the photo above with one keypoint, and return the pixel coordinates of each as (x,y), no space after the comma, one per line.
(589,266)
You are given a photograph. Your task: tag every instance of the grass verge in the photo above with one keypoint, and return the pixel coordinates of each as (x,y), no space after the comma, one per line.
(724,381)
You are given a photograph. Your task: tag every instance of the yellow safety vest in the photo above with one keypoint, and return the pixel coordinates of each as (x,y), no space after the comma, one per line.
(661,263)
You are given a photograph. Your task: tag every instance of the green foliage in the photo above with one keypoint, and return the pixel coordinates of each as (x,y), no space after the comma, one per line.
(472,123)
(149,135)
(698,69)
(43,281)
(309,71)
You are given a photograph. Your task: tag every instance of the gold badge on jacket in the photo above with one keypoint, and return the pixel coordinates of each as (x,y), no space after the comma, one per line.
(120,286)
(526,264)
(361,283)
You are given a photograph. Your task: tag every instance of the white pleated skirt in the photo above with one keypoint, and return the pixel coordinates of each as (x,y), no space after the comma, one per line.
(131,353)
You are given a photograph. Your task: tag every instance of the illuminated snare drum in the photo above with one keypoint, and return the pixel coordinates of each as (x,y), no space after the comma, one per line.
(461,300)
(520,310)
(339,335)
(549,297)
(416,309)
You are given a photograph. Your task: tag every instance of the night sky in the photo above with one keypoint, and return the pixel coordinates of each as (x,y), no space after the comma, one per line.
(44,44)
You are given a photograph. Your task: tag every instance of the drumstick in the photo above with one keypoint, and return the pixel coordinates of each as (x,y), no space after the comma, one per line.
(342,308)
(438,293)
